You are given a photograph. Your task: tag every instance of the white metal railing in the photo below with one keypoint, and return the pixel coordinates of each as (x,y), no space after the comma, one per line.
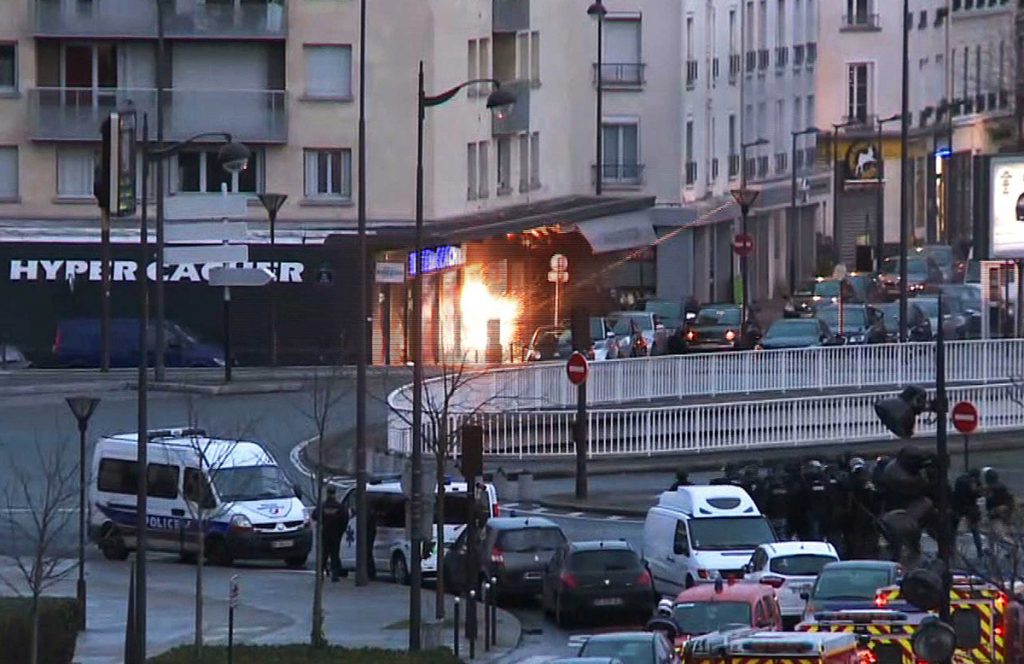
(771,423)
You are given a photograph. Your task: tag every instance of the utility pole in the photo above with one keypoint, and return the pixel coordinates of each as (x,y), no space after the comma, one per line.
(364,316)
(158,366)
(142,438)
(905,171)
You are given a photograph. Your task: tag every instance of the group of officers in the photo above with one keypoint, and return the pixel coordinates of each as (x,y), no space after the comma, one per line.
(869,509)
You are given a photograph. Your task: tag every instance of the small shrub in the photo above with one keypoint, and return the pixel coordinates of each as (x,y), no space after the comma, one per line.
(58,629)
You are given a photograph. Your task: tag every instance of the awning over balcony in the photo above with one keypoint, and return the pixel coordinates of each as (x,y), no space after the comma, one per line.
(617,232)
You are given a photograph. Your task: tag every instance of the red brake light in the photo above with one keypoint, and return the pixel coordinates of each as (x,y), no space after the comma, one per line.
(497,556)
(496,510)
(882,600)
(644,580)
(691,335)
(57,340)
(999,630)
(773,581)
(568,580)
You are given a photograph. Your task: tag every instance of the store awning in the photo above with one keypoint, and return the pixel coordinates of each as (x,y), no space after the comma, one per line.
(618,232)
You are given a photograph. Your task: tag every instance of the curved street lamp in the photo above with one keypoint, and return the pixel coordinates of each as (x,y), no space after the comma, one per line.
(597,10)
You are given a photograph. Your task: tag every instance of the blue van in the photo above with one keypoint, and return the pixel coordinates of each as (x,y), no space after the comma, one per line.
(77,344)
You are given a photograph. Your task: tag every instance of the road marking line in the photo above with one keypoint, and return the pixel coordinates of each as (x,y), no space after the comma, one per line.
(614,517)
(575,515)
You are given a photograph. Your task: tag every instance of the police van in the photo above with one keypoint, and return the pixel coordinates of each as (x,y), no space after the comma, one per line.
(696,533)
(235,488)
(388,504)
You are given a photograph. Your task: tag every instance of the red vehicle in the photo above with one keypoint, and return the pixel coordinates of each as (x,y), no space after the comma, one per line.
(715,607)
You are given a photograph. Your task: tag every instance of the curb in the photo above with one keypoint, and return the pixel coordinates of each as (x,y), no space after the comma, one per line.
(222,389)
(593,509)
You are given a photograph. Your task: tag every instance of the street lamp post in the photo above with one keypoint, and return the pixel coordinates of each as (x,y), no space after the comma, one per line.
(880,199)
(272,204)
(745,198)
(598,11)
(794,218)
(499,101)
(363,333)
(836,181)
(82,407)
(904,169)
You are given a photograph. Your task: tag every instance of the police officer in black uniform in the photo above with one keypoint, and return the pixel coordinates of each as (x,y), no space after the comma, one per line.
(966,492)
(333,522)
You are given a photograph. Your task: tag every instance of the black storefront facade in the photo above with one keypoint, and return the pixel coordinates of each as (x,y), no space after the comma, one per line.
(42,283)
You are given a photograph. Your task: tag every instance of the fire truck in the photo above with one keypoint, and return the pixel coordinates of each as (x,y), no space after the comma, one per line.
(989,626)
(752,646)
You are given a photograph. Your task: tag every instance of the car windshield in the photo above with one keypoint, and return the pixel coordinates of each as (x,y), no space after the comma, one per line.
(828,288)
(850,583)
(793,328)
(730,532)
(622,324)
(803,564)
(252,483)
(704,617)
(718,316)
(529,540)
(853,317)
(634,650)
(605,561)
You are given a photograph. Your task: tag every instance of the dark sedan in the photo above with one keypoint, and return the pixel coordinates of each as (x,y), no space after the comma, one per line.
(851,584)
(861,324)
(919,328)
(923,275)
(597,576)
(799,333)
(718,327)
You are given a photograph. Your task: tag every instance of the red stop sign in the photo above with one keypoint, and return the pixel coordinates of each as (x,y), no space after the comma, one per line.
(743,244)
(965,417)
(577,368)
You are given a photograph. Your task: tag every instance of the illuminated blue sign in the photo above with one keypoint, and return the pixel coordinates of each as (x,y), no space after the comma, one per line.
(436,259)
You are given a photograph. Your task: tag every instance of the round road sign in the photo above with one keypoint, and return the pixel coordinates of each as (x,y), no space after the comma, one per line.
(743,244)
(577,368)
(965,417)
(559,263)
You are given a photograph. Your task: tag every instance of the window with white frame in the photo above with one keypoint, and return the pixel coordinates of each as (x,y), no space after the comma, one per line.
(472,60)
(75,167)
(858,91)
(504,179)
(524,162)
(483,161)
(8,172)
(622,63)
(483,63)
(798,115)
(523,56)
(471,171)
(8,68)
(535,160)
(780,23)
(535,57)
(199,171)
(329,71)
(620,148)
(328,174)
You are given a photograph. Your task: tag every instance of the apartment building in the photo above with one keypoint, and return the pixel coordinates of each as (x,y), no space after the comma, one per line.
(961,63)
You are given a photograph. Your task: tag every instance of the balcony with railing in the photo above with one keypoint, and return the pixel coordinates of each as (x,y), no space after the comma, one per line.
(692,69)
(860,22)
(751,61)
(691,173)
(798,55)
(762,59)
(812,53)
(735,65)
(190,19)
(734,165)
(75,114)
(781,56)
(620,75)
(781,162)
(620,174)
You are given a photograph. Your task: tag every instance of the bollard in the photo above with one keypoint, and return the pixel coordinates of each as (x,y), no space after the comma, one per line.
(471,623)
(494,611)
(487,616)
(455,644)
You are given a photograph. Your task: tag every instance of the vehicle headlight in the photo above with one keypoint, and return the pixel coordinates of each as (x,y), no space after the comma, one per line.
(857,338)
(241,522)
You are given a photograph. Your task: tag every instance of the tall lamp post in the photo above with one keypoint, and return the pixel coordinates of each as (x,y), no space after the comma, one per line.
(794,217)
(364,316)
(904,168)
(82,408)
(745,198)
(499,101)
(272,204)
(597,10)
(836,184)
(880,199)
(234,158)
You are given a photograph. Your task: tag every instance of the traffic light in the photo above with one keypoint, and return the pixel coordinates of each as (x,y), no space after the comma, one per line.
(581,339)
(114,178)
(934,640)
(899,414)
(922,588)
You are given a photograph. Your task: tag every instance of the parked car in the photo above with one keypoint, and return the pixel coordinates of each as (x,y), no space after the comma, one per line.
(850,584)
(549,342)
(861,323)
(631,648)
(589,577)
(802,302)
(969,305)
(799,333)
(790,568)
(640,333)
(717,327)
(78,344)
(923,275)
(942,255)
(954,324)
(515,550)
(919,328)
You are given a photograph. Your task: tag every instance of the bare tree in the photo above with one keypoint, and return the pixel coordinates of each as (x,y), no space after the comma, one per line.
(46,496)
(325,395)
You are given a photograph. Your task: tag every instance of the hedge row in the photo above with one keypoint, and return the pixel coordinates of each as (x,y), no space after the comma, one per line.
(58,629)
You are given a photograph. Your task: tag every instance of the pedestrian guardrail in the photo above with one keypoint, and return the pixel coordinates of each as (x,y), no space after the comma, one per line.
(529,405)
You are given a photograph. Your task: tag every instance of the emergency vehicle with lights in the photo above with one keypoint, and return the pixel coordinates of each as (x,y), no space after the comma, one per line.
(751,646)
(989,626)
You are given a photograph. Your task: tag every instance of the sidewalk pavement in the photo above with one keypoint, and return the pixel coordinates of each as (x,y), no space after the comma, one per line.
(275,608)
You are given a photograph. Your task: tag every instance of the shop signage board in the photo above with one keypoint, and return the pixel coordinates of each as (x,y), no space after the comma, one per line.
(389,273)
(1007,203)
(436,259)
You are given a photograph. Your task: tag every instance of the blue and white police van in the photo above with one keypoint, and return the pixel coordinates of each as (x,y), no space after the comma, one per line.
(249,508)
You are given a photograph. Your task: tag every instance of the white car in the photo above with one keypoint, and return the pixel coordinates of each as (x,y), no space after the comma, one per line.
(790,568)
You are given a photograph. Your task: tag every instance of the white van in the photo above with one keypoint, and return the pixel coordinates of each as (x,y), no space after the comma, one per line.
(695,532)
(250,508)
(391,548)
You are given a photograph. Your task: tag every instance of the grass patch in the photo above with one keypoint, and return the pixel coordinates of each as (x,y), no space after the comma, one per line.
(303,654)
(58,629)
